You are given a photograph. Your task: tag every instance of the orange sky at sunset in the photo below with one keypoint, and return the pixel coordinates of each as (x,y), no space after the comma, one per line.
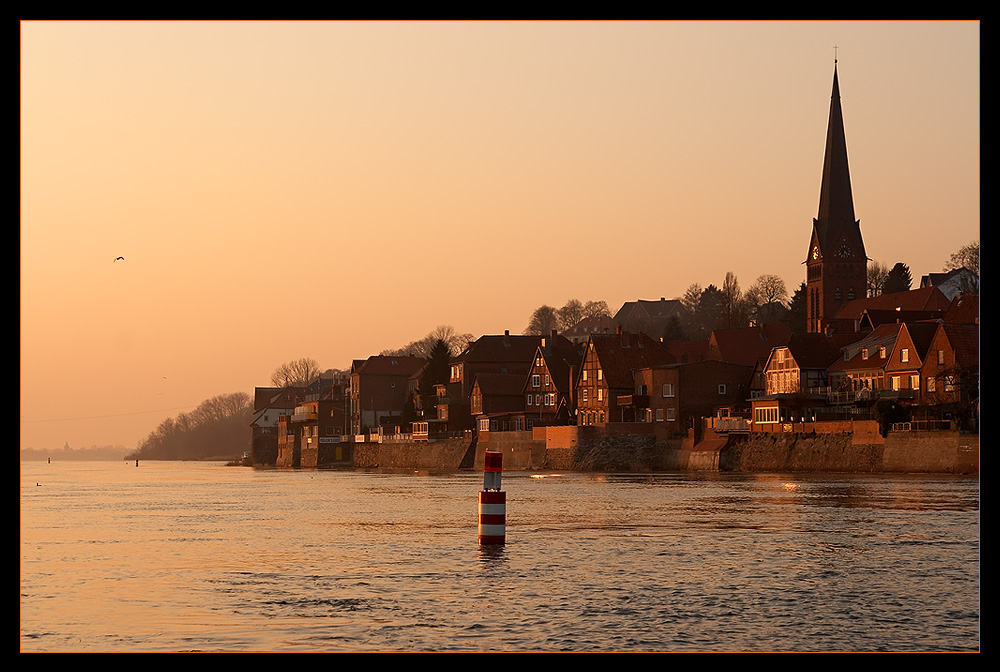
(333,189)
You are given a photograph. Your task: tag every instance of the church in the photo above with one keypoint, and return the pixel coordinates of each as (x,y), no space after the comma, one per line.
(836,265)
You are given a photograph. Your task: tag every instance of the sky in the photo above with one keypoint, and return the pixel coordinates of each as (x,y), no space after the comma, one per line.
(331,190)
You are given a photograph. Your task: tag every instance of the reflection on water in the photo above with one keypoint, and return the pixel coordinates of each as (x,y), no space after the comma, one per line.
(202,557)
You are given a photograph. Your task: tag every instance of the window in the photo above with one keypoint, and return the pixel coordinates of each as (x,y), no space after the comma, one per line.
(914,382)
(659,415)
(864,353)
(538,400)
(585,374)
(904,355)
(722,388)
(940,356)
(600,374)
(881,352)
(548,380)
(600,394)
(529,399)
(583,394)
(671,414)
(668,389)
(536,381)
(931,384)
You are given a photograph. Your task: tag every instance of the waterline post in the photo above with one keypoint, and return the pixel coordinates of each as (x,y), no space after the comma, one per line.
(492,502)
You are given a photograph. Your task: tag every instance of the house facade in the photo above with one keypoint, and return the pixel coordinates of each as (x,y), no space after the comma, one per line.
(380,388)
(673,397)
(606,373)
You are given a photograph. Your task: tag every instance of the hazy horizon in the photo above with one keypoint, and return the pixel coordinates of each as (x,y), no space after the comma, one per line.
(330,190)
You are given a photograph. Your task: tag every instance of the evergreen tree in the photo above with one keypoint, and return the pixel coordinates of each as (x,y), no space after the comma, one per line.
(898,279)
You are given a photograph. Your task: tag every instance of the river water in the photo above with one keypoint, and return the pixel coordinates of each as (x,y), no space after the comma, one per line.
(188,556)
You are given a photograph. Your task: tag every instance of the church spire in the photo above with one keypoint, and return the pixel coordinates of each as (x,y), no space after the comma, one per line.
(836,201)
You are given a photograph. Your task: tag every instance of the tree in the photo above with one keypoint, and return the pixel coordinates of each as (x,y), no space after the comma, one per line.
(690,301)
(796,317)
(437,372)
(455,341)
(570,314)
(968,258)
(298,373)
(766,298)
(596,309)
(733,305)
(877,273)
(898,279)
(543,321)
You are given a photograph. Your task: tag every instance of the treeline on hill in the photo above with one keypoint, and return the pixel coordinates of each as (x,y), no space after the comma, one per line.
(218,429)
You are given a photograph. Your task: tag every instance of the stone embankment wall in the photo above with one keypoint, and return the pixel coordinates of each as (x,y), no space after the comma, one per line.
(444,455)
(899,452)
(844,448)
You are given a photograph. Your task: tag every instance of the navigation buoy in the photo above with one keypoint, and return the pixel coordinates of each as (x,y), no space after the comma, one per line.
(492,502)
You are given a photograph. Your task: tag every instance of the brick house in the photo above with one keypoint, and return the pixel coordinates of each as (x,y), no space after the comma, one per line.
(504,354)
(673,397)
(951,366)
(903,370)
(859,374)
(606,374)
(380,388)
(496,402)
(548,389)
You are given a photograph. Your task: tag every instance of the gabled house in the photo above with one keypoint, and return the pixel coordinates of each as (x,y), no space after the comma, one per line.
(649,317)
(270,404)
(903,370)
(796,380)
(951,366)
(505,354)
(548,389)
(606,375)
(952,283)
(596,324)
(859,374)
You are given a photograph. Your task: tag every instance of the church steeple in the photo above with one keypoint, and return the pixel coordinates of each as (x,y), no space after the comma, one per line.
(837,263)
(836,201)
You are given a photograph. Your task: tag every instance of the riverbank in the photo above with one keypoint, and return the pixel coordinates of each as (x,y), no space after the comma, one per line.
(843,448)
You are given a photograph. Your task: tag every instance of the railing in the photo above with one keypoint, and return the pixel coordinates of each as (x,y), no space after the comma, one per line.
(921,426)
(731,424)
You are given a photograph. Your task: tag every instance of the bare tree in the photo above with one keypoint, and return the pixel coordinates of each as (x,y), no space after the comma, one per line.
(455,341)
(596,309)
(298,373)
(877,275)
(543,321)
(968,258)
(767,297)
(570,314)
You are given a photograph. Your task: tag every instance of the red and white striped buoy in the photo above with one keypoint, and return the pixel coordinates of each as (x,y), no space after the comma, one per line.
(492,502)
